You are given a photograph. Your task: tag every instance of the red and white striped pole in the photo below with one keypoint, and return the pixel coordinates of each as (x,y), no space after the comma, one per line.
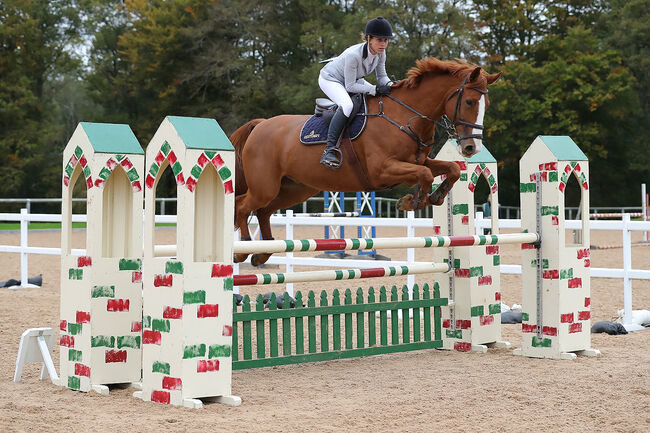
(279,246)
(334,275)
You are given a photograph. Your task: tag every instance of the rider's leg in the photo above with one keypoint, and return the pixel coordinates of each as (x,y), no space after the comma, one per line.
(330,156)
(337,93)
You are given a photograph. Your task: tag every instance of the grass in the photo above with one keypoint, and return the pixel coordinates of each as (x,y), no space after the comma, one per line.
(57,226)
(39,226)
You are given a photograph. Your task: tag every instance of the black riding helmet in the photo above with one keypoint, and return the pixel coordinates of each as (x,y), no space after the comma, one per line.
(379,27)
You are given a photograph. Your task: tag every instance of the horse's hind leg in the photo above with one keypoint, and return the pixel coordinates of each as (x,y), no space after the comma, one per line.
(262,190)
(415,201)
(290,194)
(241,222)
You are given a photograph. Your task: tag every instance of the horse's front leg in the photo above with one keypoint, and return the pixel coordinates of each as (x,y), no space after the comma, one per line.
(450,170)
(394,172)
(290,194)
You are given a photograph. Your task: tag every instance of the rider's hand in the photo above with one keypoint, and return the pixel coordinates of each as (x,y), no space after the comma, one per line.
(382,90)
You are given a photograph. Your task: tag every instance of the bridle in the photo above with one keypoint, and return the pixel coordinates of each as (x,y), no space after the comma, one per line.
(448,125)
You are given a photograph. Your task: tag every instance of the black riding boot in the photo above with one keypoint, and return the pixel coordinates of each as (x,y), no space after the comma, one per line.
(331,154)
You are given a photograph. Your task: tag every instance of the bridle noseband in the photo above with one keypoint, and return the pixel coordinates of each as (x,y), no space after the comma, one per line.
(448,125)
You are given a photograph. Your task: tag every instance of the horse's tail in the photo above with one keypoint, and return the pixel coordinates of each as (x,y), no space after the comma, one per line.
(238,140)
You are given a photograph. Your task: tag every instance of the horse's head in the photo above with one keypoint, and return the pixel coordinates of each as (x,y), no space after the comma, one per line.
(458,91)
(465,108)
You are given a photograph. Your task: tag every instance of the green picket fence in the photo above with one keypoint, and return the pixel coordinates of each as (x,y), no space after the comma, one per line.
(335,329)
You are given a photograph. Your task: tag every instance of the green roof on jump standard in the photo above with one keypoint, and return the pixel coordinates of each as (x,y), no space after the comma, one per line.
(112,138)
(563,147)
(201,133)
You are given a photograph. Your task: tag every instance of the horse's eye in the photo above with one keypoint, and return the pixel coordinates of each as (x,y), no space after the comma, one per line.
(469,102)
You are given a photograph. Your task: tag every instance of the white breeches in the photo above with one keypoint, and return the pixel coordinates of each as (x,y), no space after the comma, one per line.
(337,93)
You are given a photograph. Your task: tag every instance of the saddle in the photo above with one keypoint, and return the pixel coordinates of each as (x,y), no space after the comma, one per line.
(314,131)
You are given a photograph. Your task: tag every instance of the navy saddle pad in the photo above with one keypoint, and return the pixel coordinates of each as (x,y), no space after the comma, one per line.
(314,131)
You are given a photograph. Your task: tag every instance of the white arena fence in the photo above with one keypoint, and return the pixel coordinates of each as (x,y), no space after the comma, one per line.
(410,223)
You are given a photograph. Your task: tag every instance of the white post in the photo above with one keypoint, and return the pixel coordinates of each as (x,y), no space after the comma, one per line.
(644,209)
(410,252)
(235,266)
(478,219)
(289,235)
(24,226)
(627,266)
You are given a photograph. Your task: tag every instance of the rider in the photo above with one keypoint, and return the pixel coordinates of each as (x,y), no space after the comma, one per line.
(345,74)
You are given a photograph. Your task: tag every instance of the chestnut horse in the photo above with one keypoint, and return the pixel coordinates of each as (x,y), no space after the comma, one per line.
(275,171)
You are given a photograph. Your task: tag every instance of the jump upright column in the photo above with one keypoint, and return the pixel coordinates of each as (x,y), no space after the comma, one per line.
(187,306)
(555,277)
(101,290)
(473,321)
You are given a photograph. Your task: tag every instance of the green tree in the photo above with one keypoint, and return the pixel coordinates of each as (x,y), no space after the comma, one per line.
(626,28)
(512,29)
(37,41)
(571,88)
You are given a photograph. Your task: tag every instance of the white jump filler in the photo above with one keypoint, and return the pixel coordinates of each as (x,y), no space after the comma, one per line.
(101,301)
(473,320)
(187,306)
(556,297)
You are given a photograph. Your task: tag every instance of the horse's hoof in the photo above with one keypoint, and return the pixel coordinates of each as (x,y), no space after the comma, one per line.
(238,258)
(405,203)
(259,259)
(436,198)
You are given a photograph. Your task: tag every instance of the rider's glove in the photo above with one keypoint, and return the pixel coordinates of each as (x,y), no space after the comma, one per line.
(382,89)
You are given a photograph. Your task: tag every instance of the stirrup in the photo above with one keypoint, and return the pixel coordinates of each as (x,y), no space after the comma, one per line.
(332,165)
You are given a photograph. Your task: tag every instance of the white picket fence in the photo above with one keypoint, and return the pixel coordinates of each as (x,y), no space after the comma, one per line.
(409,224)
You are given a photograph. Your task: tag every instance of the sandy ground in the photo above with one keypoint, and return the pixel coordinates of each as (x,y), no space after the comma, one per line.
(430,390)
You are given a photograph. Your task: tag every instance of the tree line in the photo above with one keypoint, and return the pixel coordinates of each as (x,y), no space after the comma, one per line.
(573,67)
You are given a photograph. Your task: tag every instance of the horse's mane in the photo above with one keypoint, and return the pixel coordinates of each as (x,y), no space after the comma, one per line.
(431,65)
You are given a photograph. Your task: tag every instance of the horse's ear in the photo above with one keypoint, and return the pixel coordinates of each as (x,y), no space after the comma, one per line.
(492,78)
(475,74)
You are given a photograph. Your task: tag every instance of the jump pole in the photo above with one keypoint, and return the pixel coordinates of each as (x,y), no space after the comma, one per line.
(336,275)
(278,246)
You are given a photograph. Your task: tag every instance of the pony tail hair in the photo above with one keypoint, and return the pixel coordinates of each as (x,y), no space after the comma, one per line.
(238,140)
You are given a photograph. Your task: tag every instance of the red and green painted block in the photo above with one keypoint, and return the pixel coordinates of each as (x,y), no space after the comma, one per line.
(160,367)
(127,165)
(174,267)
(165,154)
(207,365)
(75,274)
(77,158)
(216,160)
(482,169)
(573,167)
(133,265)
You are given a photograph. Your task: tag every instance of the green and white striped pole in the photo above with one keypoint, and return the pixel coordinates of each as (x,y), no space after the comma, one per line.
(334,275)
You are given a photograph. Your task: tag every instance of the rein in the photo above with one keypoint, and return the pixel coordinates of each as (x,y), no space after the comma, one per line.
(448,125)
(406,129)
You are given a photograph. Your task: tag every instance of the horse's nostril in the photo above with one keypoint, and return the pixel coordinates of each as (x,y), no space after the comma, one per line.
(469,149)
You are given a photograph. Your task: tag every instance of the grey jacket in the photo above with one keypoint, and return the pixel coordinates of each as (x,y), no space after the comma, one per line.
(352,65)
